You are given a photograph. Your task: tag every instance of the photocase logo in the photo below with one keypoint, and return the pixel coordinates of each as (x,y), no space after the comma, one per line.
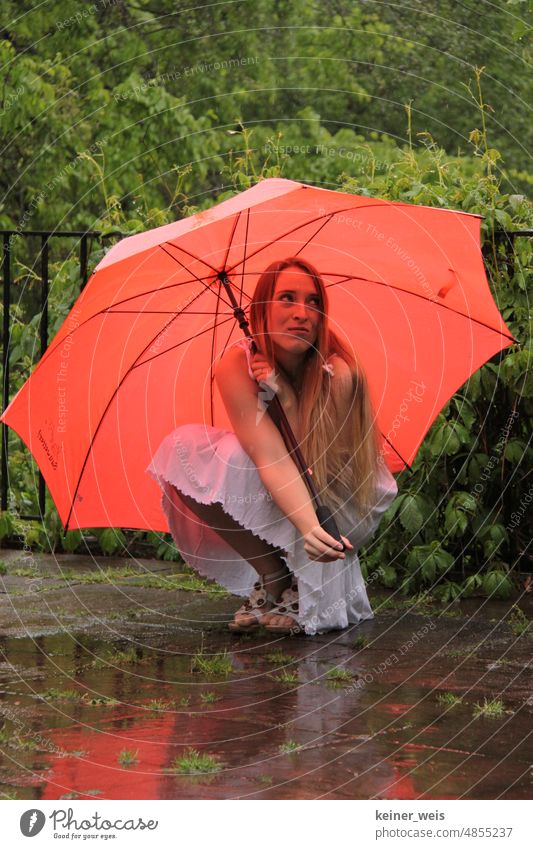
(32,822)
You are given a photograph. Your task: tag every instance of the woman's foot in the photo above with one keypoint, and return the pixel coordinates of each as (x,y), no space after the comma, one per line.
(263,597)
(283,618)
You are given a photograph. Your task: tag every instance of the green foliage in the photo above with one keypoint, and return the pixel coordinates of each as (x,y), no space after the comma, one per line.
(111,540)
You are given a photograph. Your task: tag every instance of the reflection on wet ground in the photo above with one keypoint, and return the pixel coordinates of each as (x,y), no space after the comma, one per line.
(120,684)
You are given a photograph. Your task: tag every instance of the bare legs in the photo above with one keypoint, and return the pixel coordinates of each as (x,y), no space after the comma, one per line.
(262,556)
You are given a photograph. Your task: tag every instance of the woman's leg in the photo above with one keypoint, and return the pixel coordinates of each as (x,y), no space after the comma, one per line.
(262,556)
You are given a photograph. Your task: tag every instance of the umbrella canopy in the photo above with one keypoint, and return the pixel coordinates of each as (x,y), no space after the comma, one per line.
(134,358)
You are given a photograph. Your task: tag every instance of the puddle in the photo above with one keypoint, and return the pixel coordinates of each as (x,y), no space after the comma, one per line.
(99,698)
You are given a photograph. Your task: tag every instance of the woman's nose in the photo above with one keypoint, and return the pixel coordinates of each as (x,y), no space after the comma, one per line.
(299,310)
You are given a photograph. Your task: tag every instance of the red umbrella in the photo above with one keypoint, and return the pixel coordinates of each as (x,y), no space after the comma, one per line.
(134,358)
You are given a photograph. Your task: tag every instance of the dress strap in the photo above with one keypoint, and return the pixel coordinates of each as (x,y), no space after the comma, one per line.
(246,343)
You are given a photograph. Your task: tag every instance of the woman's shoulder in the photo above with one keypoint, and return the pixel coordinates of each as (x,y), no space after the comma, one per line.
(235,359)
(340,374)
(337,366)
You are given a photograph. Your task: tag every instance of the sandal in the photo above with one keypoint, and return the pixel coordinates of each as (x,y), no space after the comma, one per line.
(288,606)
(256,605)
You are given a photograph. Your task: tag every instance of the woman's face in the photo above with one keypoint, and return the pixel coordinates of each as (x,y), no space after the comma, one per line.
(295,312)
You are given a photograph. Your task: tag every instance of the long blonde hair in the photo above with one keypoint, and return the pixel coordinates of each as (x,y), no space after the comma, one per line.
(345,468)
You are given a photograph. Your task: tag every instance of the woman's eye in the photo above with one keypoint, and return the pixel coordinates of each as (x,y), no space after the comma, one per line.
(315,301)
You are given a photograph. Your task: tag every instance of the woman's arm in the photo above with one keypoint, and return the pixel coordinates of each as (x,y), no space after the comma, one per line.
(262,440)
(274,382)
(263,443)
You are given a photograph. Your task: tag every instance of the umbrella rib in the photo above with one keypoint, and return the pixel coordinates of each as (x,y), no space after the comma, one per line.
(244,256)
(327,215)
(110,310)
(230,242)
(179,344)
(415,295)
(160,312)
(158,289)
(427,300)
(175,258)
(130,368)
(193,256)
(241,293)
(389,443)
(314,235)
(211,399)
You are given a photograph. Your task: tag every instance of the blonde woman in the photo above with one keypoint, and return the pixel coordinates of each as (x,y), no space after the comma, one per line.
(236,504)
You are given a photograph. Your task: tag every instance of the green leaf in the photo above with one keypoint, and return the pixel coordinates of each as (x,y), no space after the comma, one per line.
(492,537)
(6,524)
(412,513)
(473,387)
(465,411)
(477,466)
(497,584)
(71,540)
(515,451)
(449,591)
(387,575)
(488,379)
(472,583)
(111,540)
(458,508)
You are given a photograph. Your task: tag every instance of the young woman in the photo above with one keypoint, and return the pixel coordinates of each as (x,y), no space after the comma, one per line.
(236,504)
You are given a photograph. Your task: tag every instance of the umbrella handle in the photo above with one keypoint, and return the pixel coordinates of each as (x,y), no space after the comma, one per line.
(326,520)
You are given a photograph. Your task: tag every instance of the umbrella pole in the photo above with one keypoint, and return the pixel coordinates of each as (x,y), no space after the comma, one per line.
(324,514)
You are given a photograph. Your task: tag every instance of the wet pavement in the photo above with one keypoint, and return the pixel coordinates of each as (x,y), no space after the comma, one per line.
(119,679)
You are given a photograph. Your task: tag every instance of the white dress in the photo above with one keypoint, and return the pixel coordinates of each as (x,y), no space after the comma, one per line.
(208,464)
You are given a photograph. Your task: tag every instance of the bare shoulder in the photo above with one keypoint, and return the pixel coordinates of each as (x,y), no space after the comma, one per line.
(342,377)
(342,384)
(233,363)
(256,431)
(341,369)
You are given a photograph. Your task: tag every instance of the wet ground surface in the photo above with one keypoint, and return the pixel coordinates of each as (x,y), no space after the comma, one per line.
(119,679)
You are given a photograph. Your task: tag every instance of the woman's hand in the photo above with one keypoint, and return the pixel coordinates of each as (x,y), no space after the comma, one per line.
(263,371)
(321,546)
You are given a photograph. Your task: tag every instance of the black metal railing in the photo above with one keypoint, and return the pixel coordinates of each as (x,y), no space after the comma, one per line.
(8,237)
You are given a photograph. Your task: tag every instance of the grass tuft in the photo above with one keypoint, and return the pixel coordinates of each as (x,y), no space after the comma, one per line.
(338,677)
(194,763)
(280,657)
(519,622)
(449,699)
(289,747)
(160,704)
(214,665)
(127,757)
(98,700)
(62,695)
(490,709)
(285,677)
(118,657)
(209,697)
